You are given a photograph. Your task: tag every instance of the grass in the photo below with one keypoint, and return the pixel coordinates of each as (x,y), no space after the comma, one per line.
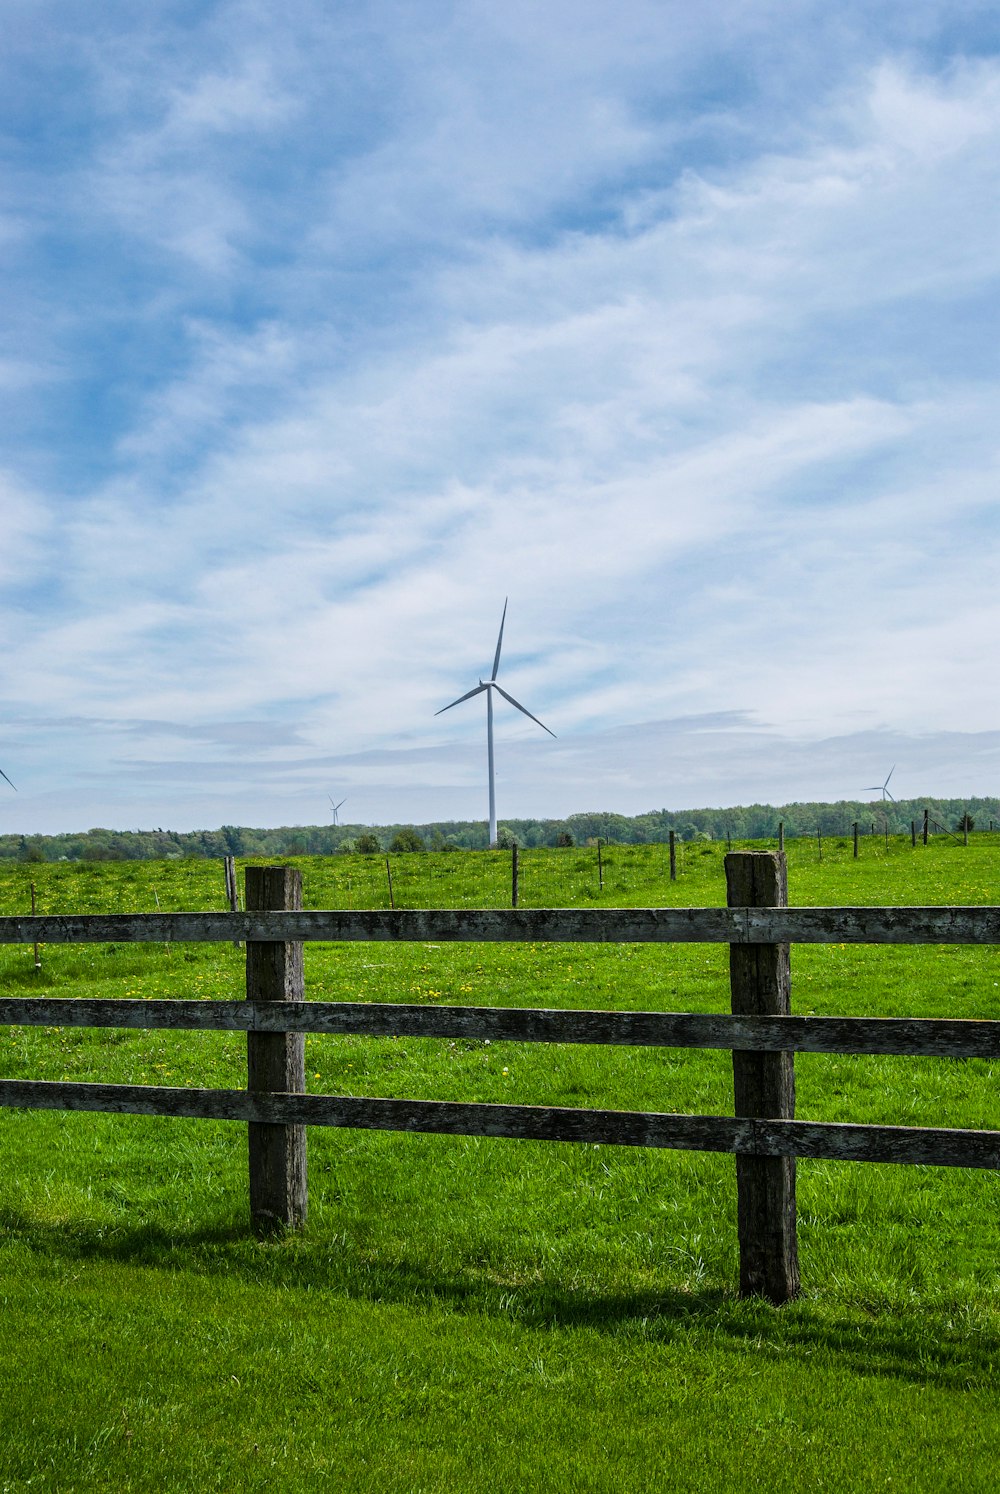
(466,1314)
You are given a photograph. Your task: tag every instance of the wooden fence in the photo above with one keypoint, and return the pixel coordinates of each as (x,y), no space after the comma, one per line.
(761,1032)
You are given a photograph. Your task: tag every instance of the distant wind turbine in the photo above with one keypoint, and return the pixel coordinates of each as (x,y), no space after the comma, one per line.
(335,808)
(488,686)
(882,788)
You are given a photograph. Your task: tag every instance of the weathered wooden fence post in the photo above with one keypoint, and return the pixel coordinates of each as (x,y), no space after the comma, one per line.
(673,857)
(764,1087)
(927,816)
(513,875)
(855,827)
(276,1061)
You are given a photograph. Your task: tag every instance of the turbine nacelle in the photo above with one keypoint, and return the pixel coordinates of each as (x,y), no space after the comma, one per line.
(883,788)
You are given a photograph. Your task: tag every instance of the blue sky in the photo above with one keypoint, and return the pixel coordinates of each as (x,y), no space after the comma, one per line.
(327,328)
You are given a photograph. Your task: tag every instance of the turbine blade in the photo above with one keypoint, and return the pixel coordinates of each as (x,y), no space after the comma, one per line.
(467,696)
(889,775)
(3,775)
(496,657)
(523,709)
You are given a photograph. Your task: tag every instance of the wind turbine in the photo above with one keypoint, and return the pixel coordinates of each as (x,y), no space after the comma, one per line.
(488,686)
(882,788)
(335,807)
(3,775)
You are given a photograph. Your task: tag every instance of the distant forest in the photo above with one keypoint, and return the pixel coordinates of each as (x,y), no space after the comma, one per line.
(743,822)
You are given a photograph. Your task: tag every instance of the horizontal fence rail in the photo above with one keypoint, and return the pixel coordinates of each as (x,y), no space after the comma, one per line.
(831,1140)
(929,1037)
(734,925)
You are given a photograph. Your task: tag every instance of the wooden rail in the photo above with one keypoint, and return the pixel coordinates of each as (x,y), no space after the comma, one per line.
(761,1032)
(702,1133)
(927,1037)
(732,925)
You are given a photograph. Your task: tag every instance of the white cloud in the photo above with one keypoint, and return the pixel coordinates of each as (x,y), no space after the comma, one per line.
(703,379)
(25,529)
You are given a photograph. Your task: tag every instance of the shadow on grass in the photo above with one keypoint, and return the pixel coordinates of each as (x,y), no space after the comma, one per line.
(923,1343)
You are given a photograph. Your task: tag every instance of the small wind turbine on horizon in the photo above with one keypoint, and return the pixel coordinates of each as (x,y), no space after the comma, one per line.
(335,808)
(882,788)
(488,686)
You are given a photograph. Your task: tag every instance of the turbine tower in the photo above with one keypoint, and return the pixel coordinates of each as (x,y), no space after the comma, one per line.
(488,686)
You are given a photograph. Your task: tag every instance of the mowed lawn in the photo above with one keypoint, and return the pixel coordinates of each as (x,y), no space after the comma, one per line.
(466,1314)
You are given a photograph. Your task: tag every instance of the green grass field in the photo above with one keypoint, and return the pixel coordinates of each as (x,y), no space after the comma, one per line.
(465,1314)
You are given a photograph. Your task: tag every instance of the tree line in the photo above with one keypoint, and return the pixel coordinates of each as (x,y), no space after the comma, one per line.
(738,823)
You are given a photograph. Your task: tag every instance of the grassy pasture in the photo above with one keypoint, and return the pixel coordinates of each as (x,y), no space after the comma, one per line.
(471,1314)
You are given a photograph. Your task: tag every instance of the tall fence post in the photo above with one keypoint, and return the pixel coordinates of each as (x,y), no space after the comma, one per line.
(855,828)
(673,857)
(276,1061)
(513,875)
(927,816)
(764,1087)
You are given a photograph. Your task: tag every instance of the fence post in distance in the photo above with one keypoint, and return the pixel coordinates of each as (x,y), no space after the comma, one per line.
(673,857)
(34,909)
(232,890)
(513,875)
(764,1087)
(276,1061)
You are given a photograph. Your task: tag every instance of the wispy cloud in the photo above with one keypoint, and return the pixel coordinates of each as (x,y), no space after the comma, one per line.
(328,331)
